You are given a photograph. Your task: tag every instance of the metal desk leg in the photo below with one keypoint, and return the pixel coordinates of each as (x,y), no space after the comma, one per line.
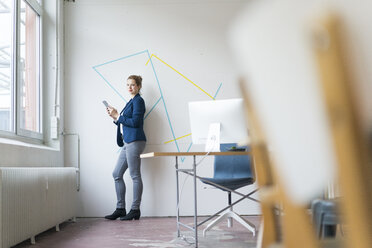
(178,200)
(195,205)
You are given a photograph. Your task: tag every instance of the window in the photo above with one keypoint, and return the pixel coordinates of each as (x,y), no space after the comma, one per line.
(20,71)
(6,77)
(28,63)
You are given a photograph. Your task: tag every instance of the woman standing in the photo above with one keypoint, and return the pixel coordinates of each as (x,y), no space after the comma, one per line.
(131,119)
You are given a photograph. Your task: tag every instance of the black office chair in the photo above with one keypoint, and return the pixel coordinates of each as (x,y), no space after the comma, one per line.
(230,174)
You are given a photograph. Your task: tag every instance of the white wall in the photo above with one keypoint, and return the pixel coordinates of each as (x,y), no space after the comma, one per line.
(22,151)
(191,37)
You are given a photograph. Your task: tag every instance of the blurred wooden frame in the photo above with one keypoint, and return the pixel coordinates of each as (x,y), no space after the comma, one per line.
(269,232)
(350,144)
(276,229)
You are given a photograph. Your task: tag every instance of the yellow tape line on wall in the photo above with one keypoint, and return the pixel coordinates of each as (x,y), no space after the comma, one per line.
(153,55)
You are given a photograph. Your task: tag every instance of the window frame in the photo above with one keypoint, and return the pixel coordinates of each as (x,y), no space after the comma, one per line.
(16,84)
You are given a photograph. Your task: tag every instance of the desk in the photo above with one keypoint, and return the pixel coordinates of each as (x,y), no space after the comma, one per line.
(192,172)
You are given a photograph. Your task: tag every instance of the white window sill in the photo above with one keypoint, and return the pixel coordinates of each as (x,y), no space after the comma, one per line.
(5,141)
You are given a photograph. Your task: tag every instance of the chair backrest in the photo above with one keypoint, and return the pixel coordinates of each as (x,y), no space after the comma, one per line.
(232,166)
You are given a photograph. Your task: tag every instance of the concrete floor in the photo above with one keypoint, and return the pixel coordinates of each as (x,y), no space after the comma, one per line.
(146,232)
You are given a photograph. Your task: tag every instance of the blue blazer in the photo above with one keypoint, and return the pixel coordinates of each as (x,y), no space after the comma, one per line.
(131,118)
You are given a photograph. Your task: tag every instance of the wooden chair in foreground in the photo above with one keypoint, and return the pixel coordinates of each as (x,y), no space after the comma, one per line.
(351,151)
(349,141)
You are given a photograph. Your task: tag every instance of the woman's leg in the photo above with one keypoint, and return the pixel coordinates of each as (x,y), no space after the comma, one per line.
(134,149)
(120,168)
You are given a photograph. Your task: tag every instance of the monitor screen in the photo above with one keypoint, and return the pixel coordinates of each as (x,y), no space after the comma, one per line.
(230,113)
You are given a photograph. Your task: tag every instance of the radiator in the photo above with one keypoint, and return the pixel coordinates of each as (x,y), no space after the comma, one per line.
(33,200)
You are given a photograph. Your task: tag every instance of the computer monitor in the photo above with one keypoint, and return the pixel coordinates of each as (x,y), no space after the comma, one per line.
(229,113)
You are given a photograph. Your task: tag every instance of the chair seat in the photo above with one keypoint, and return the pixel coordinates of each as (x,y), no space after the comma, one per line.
(230,183)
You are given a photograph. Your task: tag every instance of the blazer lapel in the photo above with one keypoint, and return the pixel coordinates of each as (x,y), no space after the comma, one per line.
(126,106)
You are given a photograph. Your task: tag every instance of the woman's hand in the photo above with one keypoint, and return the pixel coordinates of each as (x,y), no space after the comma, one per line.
(113,113)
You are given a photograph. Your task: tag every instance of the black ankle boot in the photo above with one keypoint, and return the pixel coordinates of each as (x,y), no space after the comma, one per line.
(133,214)
(119,212)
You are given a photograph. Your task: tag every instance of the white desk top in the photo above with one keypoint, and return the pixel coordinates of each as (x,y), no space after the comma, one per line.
(163,154)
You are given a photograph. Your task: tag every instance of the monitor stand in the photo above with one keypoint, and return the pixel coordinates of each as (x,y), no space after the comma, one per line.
(213,140)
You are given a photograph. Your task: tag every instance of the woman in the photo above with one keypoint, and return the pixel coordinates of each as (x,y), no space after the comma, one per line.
(131,118)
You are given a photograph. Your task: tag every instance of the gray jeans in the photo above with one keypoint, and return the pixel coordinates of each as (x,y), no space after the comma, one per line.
(129,157)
